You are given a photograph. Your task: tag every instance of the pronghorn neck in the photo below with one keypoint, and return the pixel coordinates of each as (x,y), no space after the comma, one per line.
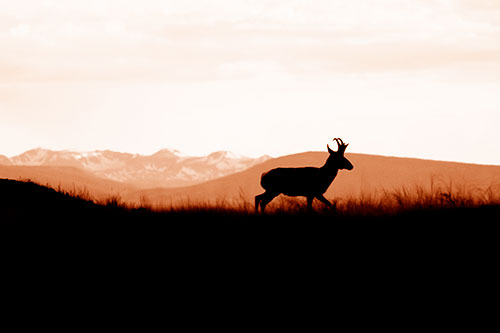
(329,172)
(329,167)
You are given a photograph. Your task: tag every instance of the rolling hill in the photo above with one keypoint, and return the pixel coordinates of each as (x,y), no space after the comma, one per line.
(371,175)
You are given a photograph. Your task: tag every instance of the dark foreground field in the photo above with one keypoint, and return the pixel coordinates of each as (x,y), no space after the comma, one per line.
(351,257)
(426,217)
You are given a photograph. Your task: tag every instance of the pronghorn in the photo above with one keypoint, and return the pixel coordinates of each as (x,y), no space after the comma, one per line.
(309,182)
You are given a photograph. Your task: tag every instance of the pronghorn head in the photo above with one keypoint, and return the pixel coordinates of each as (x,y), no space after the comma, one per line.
(336,160)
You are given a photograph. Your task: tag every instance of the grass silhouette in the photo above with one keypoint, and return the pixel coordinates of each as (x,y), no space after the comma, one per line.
(24,200)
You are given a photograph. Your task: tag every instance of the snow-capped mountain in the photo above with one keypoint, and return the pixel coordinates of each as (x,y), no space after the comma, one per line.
(165,168)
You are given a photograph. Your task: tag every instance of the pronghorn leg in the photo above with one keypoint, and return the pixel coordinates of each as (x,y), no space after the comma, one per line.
(264,199)
(324,200)
(258,199)
(309,203)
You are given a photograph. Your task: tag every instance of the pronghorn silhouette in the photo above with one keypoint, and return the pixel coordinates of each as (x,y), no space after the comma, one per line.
(309,182)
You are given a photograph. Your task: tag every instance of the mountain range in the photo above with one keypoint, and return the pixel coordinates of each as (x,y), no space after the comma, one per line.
(165,168)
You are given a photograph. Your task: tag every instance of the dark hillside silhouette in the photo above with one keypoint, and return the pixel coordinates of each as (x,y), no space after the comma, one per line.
(67,179)
(31,203)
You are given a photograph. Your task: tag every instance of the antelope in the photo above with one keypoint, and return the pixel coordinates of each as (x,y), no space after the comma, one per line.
(309,182)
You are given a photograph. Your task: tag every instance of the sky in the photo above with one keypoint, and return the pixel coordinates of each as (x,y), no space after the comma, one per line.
(412,78)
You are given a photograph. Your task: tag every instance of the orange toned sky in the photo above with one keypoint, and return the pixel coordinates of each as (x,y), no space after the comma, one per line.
(402,77)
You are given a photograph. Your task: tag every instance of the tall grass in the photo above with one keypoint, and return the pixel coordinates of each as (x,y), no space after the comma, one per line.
(377,203)
(434,196)
(419,198)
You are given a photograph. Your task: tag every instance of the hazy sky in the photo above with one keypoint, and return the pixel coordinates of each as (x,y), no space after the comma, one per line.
(402,77)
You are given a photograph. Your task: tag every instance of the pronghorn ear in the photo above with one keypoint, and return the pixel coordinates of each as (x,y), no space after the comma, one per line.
(329,150)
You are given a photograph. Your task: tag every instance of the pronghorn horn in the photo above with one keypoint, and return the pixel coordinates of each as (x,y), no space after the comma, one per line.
(341,145)
(340,142)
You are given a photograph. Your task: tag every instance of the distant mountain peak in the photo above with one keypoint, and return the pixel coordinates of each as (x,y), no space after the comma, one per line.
(166,152)
(225,154)
(36,150)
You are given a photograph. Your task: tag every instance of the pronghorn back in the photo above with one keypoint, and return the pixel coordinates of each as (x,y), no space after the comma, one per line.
(297,181)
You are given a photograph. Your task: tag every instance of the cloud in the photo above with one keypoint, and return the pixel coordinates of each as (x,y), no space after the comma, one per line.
(20,30)
(212,40)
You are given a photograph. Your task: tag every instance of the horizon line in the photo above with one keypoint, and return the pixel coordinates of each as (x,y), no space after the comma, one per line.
(184,154)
